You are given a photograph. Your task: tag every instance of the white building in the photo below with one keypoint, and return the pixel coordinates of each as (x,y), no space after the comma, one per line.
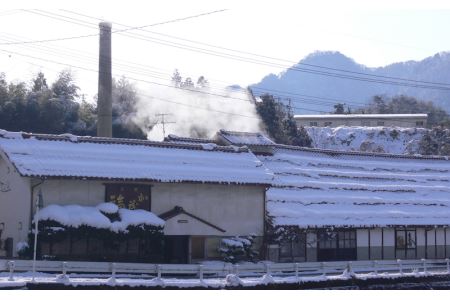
(202,192)
(335,205)
(366,120)
(353,206)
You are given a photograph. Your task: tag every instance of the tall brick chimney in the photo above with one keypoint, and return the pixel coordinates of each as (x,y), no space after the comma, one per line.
(104,102)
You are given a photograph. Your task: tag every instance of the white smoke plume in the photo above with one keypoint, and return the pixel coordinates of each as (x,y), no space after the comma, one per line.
(195,112)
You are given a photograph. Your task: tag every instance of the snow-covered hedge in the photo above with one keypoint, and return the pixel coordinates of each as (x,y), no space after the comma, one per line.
(237,249)
(105,222)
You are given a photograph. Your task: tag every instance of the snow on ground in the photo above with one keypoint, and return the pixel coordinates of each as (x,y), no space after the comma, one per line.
(20,280)
(394,140)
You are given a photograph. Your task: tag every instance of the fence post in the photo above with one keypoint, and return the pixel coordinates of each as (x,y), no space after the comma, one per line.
(113,270)
(296,270)
(158,271)
(64,268)
(200,272)
(448,265)
(424,263)
(322,267)
(236,269)
(375,267)
(349,267)
(400,266)
(266,265)
(11,266)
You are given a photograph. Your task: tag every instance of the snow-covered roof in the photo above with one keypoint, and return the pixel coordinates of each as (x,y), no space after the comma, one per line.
(330,188)
(188,140)
(69,156)
(244,138)
(362,116)
(77,215)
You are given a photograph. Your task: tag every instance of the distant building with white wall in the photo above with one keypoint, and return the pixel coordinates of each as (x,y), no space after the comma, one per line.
(366,120)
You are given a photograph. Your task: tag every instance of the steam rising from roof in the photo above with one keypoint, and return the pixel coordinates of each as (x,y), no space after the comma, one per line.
(196,112)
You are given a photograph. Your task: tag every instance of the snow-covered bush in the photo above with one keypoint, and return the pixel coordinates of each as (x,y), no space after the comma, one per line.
(23,250)
(111,230)
(237,249)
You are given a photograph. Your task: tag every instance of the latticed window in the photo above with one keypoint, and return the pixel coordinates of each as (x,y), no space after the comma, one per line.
(340,239)
(347,239)
(291,249)
(405,239)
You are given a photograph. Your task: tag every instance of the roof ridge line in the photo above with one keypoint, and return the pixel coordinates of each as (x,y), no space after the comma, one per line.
(121,141)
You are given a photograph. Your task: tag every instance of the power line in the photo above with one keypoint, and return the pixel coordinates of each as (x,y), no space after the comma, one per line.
(215,53)
(274,58)
(303,100)
(170,86)
(310,71)
(115,31)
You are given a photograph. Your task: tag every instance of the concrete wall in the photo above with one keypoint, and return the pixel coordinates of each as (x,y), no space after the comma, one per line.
(15,201)
(237,209)
(335,122)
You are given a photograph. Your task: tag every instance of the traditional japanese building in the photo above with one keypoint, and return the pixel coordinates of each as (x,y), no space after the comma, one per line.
(196,193)
(334,205)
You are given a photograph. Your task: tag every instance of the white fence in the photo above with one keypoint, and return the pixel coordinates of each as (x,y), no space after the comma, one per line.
(221,270)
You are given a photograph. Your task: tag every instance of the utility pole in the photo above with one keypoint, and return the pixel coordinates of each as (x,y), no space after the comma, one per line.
(289,106)
(164,122)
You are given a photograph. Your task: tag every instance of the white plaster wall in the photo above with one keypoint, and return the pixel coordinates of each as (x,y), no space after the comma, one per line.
(375,237)
(430,237)
(420,232)
(14,204)
(188,226)
(440,236)
(64,192)
(311,240)
(389,237)
(237,209)
(362,238)
(358,122)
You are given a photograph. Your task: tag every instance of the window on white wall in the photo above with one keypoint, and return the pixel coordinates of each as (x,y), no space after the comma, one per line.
(405,239)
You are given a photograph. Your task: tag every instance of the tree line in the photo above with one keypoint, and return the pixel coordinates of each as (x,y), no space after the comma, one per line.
(59,107)
(400,104)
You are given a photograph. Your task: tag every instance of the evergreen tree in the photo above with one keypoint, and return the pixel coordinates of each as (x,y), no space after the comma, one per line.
(188,83)
(64,87)
(435,142)
(407,105)
(39,83)
(176,78)
(280,123)
(339,109)
(202,83)
(272,115)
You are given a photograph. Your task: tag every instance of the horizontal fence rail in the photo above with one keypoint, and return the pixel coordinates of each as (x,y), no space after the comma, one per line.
(218,270)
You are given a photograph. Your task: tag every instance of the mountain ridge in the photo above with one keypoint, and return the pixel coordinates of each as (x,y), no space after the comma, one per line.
(435,68)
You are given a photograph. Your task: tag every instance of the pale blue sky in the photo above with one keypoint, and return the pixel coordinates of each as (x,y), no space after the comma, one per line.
(372,33)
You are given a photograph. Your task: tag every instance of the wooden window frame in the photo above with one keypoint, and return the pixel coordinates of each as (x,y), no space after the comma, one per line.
(290,244)
(406,248)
